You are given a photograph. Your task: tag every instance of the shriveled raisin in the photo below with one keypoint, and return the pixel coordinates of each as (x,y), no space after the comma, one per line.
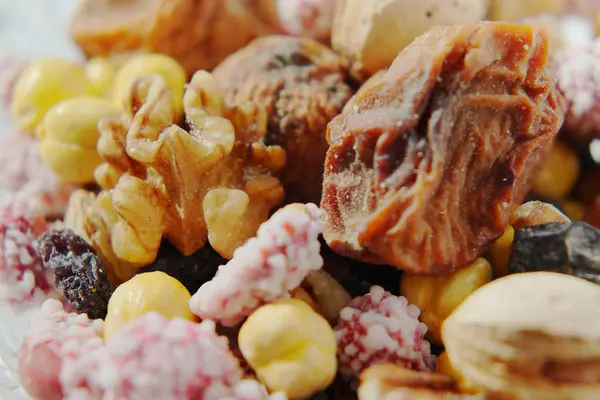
(78,272)
(429,158)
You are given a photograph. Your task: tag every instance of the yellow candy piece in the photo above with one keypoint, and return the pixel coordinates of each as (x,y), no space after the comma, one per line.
(101,74)
(150,291)
(499,252)
(141,65)
(444,366)
(558,175)
(68,135)
(44,83)
(438,296)
(573,209)
(291,348)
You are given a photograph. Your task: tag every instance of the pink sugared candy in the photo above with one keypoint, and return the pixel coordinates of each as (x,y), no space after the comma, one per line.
(22,275)
(285,250)
(54,337)
(577,71)
(156,358)
(307,18)
(27,179)
(378,328)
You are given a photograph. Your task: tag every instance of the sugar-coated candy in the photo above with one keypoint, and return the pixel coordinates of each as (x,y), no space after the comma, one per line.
(27,179)
(576,70)
(22,275)
(54,337)
(380,327)
(285,249)
(78,272)
(151,291)
(156,358)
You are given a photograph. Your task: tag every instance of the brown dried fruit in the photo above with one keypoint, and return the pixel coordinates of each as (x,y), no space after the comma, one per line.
(389,381)
(302,85)
(197,33)
(428,160)
(212,182)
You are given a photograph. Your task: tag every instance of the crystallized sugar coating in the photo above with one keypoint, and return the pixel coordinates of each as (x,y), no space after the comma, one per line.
(28,180)
(22,275)
(54,338)
(577,71)
(156,358)
(380,327)
(285,249)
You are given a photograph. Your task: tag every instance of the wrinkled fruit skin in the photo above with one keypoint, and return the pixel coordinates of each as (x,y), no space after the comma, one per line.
(78,272)
(303,86)
(569,248)
(429,158)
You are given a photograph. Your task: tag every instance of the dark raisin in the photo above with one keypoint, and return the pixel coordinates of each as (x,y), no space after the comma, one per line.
(192,271)
(78,272)
(569,248)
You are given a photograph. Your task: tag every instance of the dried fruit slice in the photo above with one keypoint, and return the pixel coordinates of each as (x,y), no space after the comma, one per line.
(429,158)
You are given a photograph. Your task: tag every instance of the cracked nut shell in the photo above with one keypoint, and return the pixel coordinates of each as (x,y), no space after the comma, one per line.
(529,336)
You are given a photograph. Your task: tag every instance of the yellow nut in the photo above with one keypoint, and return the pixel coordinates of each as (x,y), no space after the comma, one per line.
(41,85)
(438,296)
(150,291)
(101,74)
(444,366)
(68,135)
(558,175)
(144,64)
(291,348)
(499,252)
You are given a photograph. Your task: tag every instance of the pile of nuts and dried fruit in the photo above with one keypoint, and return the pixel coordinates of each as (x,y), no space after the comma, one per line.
(167,216)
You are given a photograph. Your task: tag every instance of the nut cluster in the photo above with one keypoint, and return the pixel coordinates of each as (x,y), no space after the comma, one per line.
(212,182)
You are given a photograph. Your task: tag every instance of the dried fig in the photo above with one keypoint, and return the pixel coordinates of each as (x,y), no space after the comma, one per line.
(302,85)
(428,159)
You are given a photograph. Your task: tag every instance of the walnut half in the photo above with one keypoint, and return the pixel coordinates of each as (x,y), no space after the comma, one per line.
(212,182)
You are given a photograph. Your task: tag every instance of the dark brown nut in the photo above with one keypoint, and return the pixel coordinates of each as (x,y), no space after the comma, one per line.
(302,86)
(197,33)
(391,382)
(428,160)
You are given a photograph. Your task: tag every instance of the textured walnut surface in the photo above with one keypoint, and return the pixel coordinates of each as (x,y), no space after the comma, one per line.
(429,158)
(302,86)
